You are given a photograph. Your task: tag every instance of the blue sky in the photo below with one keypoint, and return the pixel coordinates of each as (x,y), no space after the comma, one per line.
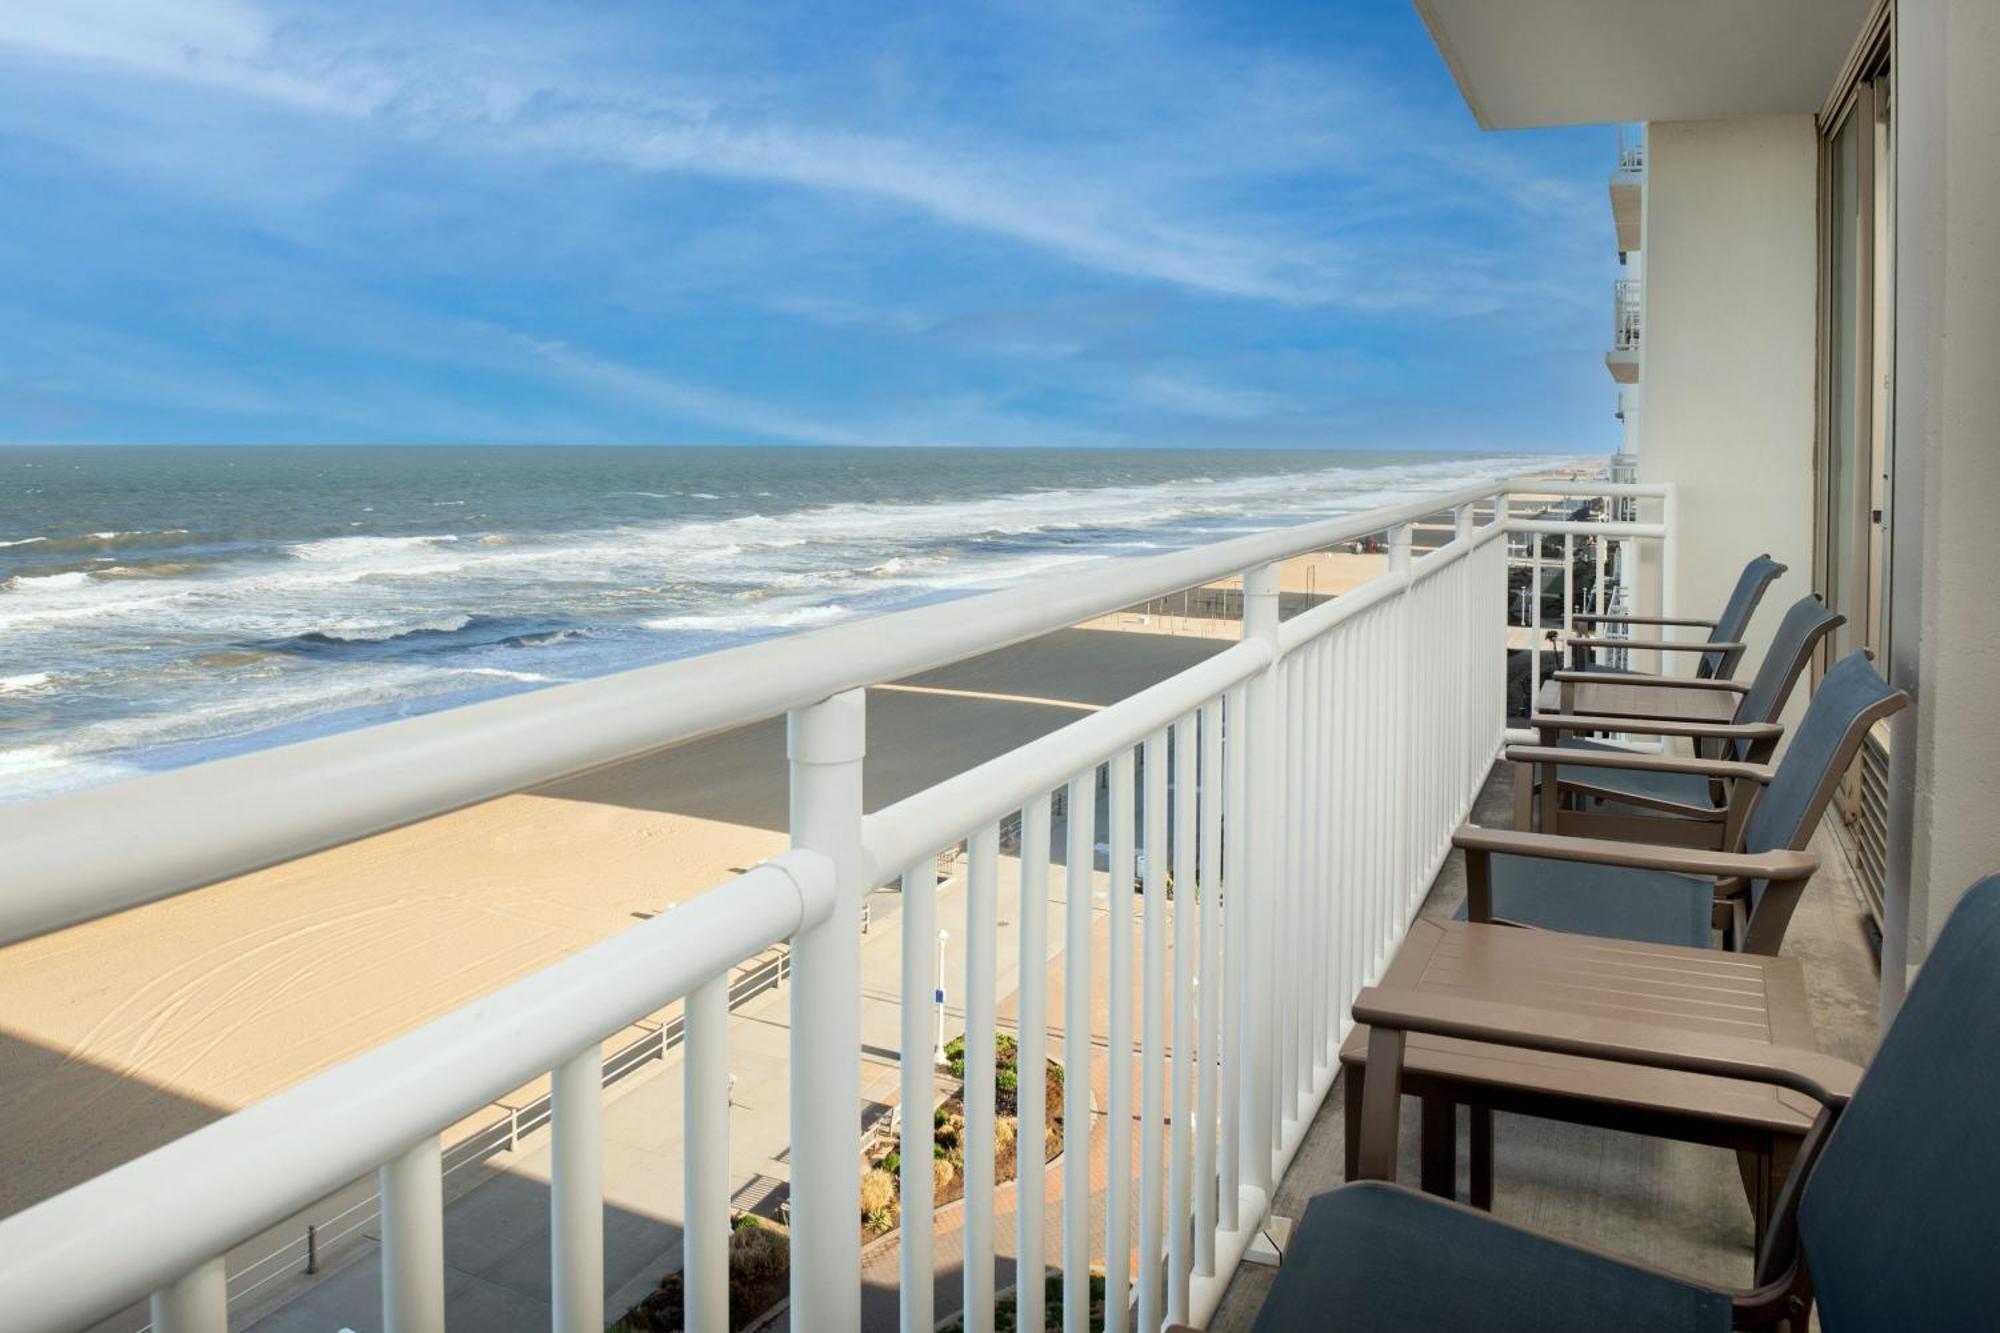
(1016,223)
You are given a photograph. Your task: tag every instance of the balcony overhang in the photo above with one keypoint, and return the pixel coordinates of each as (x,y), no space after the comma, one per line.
(1627,200)
(1624,367)
(1525,63)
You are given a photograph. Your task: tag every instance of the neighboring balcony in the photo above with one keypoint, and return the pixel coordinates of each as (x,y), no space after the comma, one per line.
(1626,317)
(1628,193)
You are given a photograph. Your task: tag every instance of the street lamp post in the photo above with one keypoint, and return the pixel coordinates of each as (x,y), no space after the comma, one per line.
(938,998)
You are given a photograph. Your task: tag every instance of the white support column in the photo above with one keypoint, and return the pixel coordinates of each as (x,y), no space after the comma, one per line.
(1258,1013)
(197,1303)
(412,1189)
(826,743)
(705,1156)
(576,1193)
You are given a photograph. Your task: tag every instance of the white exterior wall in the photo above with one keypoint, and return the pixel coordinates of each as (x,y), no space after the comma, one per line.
(1727,353)
(1946,499)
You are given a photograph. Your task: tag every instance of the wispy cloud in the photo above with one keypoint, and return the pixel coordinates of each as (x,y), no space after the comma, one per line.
(779,223)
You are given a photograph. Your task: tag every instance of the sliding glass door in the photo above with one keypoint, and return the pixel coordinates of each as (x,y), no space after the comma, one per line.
(1851,551)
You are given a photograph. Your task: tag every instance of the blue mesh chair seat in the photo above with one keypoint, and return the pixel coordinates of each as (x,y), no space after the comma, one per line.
(1350,1266)
(1688,789)
(1615,902)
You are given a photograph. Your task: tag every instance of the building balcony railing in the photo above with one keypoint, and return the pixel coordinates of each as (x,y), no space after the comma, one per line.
(1269,818)
(1626,312)
(1627,324)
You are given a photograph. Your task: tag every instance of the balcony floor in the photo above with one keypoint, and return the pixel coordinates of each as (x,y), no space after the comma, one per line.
(1678,1206)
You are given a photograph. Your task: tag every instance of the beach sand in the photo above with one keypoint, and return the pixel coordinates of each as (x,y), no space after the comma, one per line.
(122,1034)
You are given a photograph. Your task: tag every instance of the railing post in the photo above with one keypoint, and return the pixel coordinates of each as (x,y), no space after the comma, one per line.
(1263,865)
(1669,602)
(705,1156)
(576,1193)
(197,1303)
(412,1189)
(826,743)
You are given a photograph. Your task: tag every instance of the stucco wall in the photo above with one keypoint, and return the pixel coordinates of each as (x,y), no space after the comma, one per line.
(1727,359)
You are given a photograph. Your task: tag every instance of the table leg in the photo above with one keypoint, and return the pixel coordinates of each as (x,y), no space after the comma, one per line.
(1482,1156)
(1439,1161)
(1350,1081)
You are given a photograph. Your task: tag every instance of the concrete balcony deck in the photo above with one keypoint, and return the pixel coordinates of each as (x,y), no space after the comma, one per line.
(1675,1205)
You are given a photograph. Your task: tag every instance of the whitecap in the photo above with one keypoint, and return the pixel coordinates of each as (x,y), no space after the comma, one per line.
(24,541)
(31,680)
(75,578)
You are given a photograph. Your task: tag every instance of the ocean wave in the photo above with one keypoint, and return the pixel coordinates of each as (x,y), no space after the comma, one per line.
(345,548)
(74,578)
(25,541)
(26,681)
(749,618)
(365,632)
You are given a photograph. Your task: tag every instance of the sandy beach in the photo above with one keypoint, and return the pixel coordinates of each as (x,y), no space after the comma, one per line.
(122,1034)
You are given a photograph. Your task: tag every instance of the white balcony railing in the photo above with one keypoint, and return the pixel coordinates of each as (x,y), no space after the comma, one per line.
(1282,808)
(1627,312)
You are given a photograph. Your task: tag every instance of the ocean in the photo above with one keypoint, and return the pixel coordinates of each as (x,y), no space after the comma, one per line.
(161,606)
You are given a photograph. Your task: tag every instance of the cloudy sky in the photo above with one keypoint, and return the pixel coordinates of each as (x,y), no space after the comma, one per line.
(1055,223)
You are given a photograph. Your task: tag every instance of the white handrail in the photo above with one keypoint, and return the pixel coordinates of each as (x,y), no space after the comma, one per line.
(136,1229)
(101,850)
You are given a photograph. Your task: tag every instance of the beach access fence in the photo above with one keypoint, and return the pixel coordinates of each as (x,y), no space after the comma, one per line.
(1314,772)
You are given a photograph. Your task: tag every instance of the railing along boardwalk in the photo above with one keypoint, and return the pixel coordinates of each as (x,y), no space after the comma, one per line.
(1276,812)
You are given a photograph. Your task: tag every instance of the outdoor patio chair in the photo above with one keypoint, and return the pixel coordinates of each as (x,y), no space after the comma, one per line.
(1678,895)
(1887,1217)
(1656,805)
(1724,646)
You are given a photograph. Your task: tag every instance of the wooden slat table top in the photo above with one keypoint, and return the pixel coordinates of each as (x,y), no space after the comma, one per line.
(1659,702)
(1699,990)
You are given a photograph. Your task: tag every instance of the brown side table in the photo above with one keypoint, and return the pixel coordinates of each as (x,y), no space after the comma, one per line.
(1701,990)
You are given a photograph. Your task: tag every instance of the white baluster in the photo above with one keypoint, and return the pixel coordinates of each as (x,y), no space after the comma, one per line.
(705,1095)
(1031,1096)
(919,1091)
(576,1193)
(981,924)
(412,1190)
(1078,872)
(197,1303)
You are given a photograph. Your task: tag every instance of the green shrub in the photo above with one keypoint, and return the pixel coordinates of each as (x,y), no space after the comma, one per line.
(892,1163)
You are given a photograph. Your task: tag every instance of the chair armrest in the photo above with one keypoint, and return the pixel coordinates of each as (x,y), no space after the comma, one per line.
(1824,1078)
(1641,763)
(1641,620)
(1656,645)
(1623,678)
(1781,867)
(1639,726)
